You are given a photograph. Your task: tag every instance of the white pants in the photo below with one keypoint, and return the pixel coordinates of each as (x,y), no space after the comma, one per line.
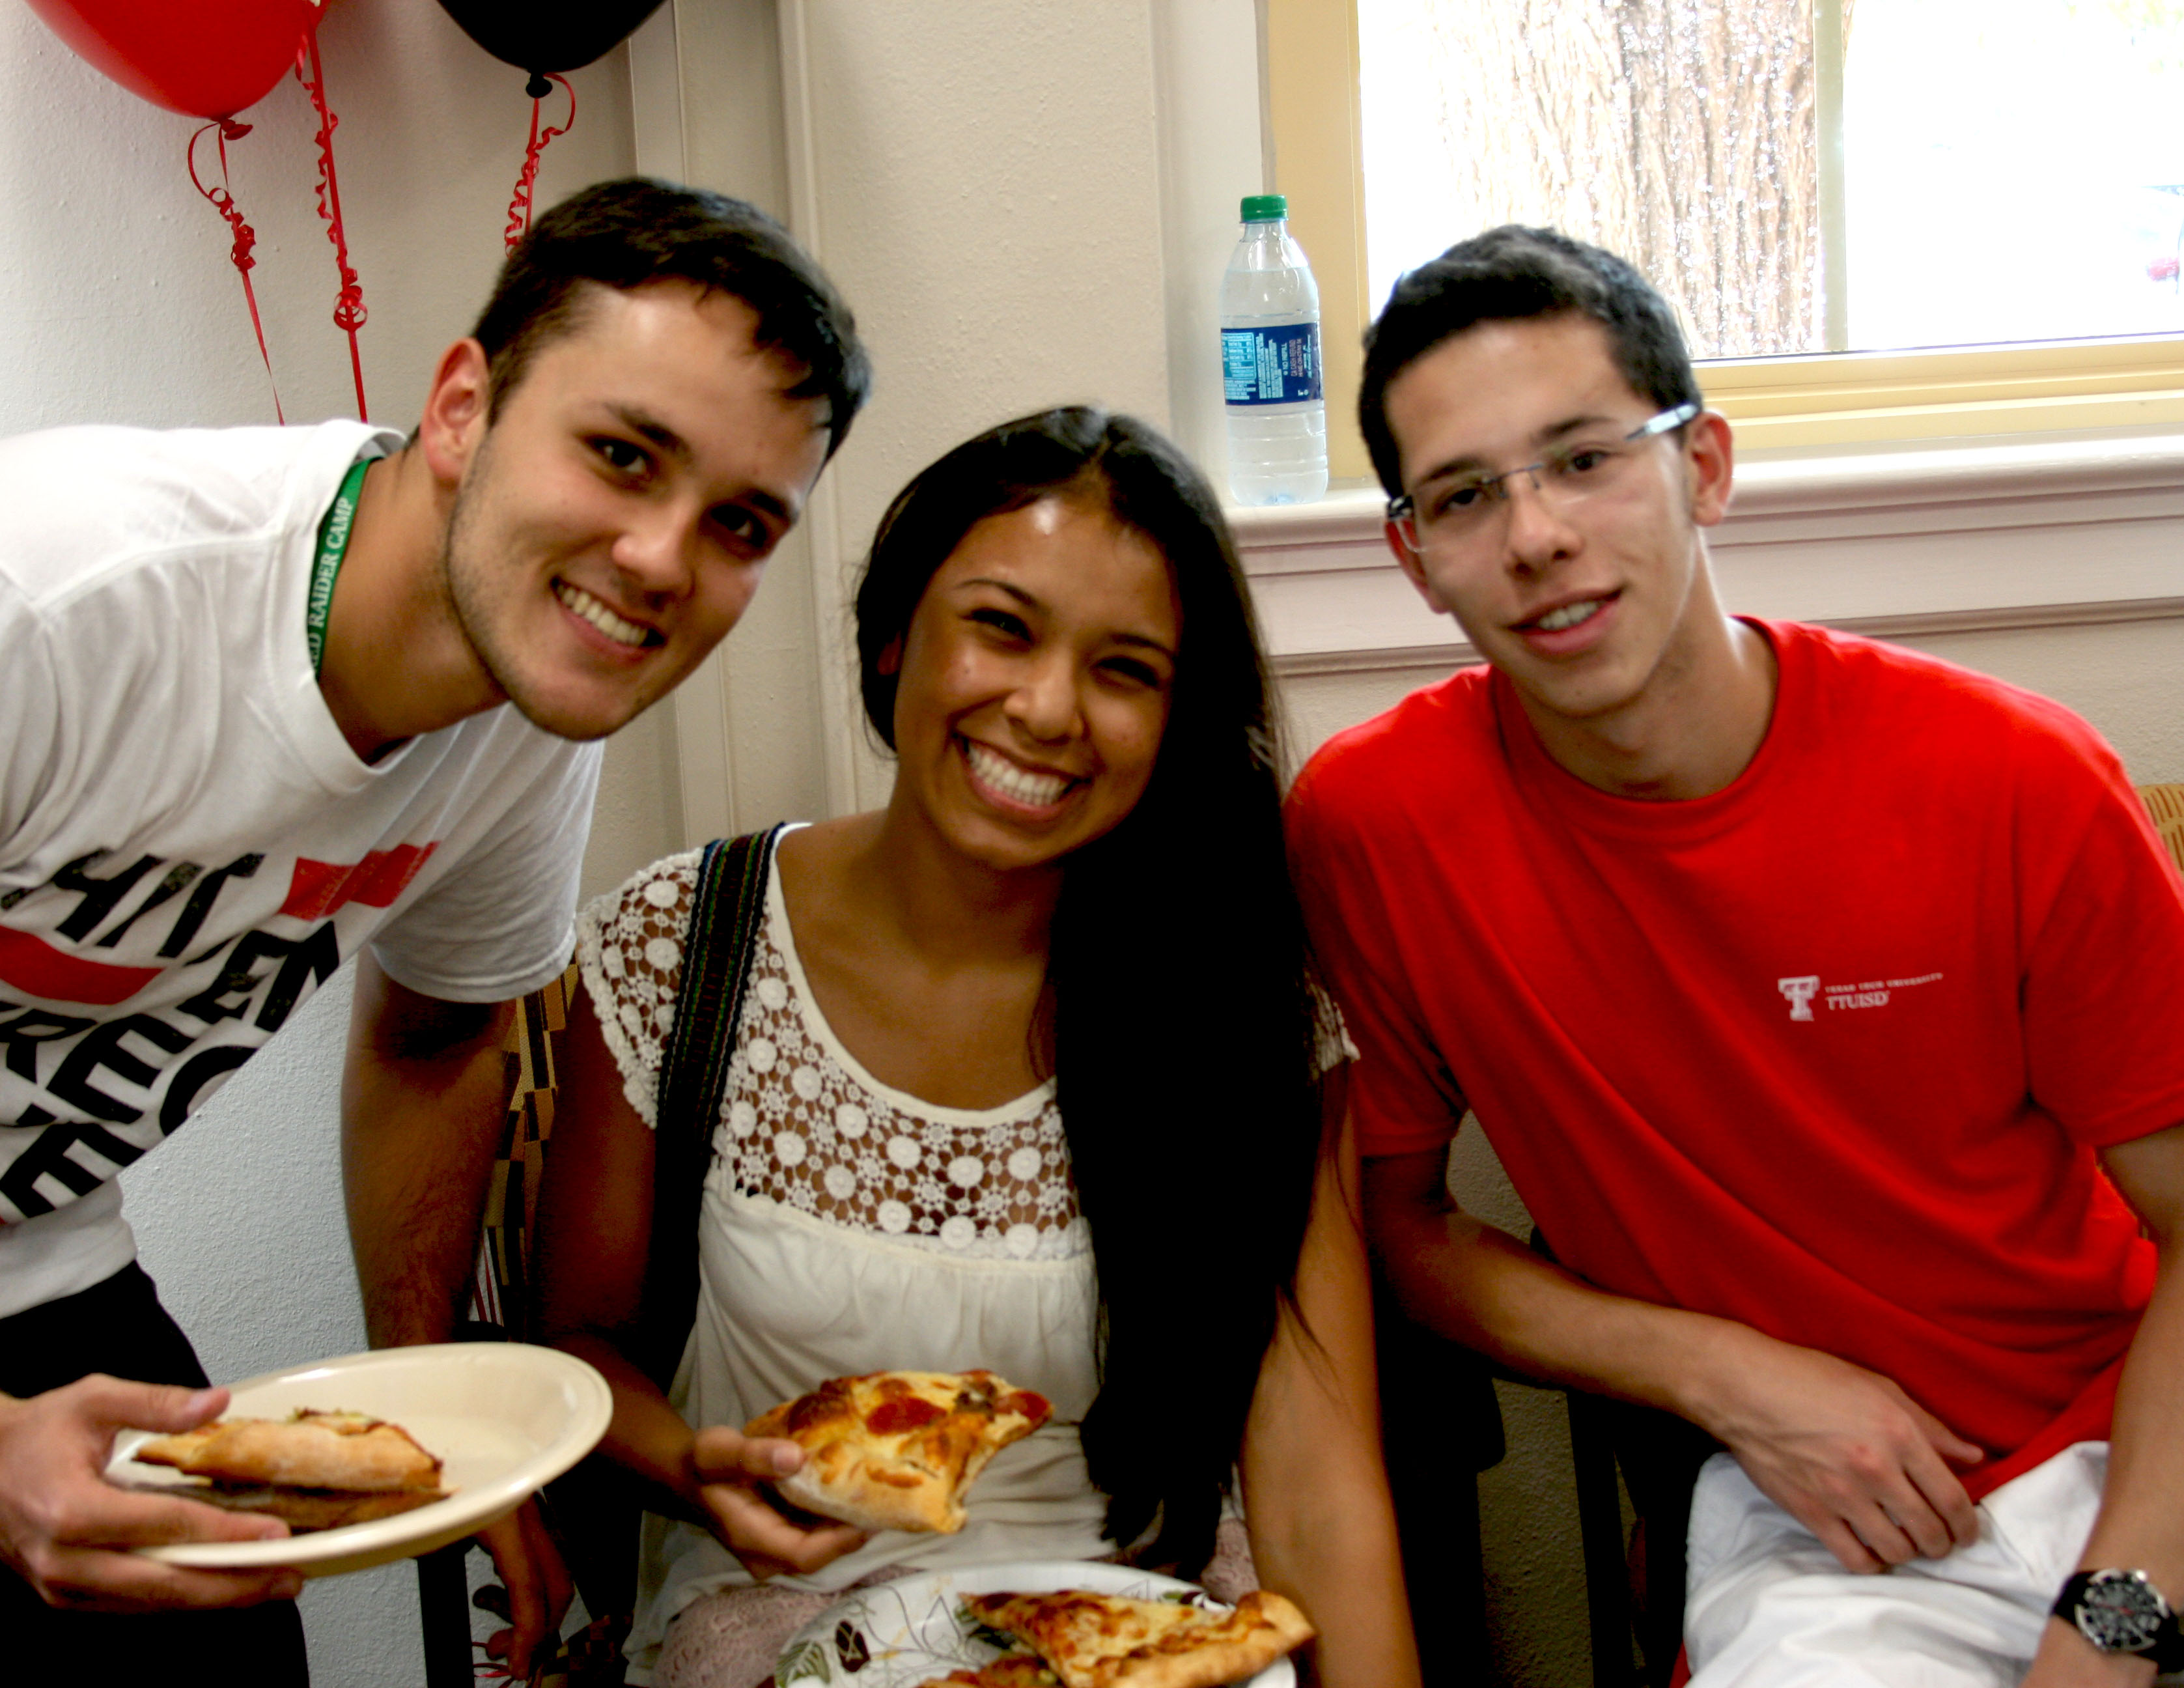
(1769,1606)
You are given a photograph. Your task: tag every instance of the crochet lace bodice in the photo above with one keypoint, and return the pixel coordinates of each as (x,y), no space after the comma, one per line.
(802,1123)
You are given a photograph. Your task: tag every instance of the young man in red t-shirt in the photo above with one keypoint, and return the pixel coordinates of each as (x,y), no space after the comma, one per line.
(1825,1002)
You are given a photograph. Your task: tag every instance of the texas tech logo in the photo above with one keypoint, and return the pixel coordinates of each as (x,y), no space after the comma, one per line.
(1801,992)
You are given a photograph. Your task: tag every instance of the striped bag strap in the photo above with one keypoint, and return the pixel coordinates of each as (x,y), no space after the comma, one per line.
(726,915)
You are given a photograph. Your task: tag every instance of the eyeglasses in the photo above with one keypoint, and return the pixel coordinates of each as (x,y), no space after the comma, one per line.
(1449,516)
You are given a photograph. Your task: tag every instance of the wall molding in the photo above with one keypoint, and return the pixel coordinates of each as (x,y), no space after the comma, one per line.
(1458,653)
(704,725)
(823,523)
(1901,544)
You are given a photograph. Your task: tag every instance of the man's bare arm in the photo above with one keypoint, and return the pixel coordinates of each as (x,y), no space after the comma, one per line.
(423,1101)
(1842,1449)
(2141,1526)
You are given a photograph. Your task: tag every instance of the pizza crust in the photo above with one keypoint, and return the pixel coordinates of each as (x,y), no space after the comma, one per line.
(345,1451)
(1097,1640)
(1010,1670)
(305,1510)
(311,1470)
(899,1450)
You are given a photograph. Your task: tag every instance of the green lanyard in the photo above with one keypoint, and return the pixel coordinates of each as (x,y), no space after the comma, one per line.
(334,542)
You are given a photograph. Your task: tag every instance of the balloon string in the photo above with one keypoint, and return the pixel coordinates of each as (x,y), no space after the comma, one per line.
(519,208)
(246,237)
(349,314)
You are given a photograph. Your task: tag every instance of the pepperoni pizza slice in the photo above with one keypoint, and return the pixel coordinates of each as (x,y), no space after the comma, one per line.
(899,1450)
(1102,1640)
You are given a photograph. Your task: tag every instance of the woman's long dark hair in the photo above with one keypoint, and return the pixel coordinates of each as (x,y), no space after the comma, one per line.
(1178,1004)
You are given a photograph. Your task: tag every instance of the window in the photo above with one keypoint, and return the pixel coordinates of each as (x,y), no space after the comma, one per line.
(1800,176)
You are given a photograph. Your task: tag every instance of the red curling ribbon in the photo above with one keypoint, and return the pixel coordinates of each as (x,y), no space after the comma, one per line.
(349,314)
(519,208)
(246,237)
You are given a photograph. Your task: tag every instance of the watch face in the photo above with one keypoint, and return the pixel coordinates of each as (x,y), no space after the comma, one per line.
(2119,1612)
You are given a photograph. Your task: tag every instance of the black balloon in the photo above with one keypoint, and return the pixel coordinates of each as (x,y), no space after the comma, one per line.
(539,36)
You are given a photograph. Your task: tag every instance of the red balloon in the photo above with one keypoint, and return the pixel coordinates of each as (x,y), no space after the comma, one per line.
(202,58)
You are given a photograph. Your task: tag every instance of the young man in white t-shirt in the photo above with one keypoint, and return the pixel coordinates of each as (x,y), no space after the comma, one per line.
(279,698)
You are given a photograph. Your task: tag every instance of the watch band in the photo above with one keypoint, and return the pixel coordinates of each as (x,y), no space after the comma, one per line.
(2121,1612)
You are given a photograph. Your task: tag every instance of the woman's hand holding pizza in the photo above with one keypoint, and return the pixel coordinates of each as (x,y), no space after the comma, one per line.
(733,1473)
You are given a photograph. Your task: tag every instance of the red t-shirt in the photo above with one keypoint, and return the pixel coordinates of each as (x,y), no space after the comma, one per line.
(1827,1052)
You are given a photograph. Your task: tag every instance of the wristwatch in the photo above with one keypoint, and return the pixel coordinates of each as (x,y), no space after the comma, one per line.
(2121,1612)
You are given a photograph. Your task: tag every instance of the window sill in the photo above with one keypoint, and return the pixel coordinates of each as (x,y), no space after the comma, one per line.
(1803,404)
(1893,541)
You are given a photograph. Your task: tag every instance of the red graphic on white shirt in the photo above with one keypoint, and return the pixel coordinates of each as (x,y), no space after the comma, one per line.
(36,967)
(318,887)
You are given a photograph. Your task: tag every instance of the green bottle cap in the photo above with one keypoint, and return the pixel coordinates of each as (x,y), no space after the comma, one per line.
(1265,208)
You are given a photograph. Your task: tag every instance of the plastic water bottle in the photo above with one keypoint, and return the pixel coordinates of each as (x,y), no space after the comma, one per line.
(1270,363)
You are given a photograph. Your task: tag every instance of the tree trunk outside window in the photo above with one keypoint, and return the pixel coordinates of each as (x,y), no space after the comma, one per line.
(1682,134)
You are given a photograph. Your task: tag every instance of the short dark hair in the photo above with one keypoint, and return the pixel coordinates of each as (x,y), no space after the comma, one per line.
(1508,274)
(631,231)
(1178,1016)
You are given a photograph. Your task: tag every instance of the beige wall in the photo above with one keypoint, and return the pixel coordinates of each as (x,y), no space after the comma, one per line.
(638,817)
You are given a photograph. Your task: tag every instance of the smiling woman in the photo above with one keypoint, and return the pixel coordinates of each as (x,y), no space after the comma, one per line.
(1029,1061)
(1038,666)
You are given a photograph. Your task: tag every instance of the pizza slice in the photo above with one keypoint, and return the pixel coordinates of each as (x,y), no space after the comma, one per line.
(311,1470)
(306,1450)
(1102,1640)
(899,1450)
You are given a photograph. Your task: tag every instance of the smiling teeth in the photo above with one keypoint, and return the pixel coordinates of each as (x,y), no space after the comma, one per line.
(1568,616)
(1037,791)
(581,603)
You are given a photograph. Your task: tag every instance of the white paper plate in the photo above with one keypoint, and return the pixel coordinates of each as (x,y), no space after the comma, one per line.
(902,1634)
(504,1417)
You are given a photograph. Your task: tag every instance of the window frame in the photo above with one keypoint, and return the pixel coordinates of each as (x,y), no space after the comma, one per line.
(1825,399)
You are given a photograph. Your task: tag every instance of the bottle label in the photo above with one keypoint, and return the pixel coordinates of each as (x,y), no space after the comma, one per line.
(1271,365)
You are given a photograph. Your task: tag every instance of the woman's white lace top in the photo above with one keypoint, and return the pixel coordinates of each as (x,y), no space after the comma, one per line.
(846,1228)
(804,1125)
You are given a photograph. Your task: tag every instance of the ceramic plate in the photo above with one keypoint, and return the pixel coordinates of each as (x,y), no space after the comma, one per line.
(505,1416)
(902,1634)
